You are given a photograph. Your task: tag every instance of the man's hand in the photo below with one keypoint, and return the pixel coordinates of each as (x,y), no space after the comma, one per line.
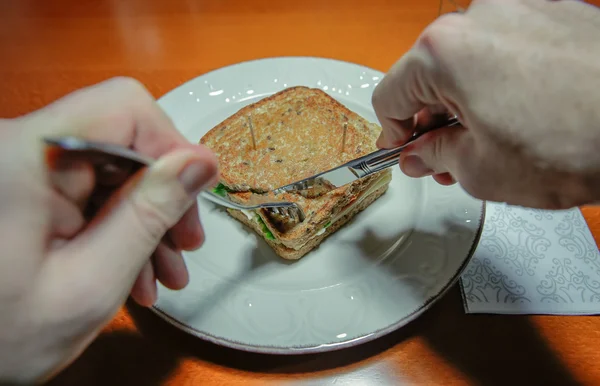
(523,78)
(62,275)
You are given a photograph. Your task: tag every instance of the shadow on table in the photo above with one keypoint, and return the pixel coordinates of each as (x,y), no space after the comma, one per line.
(487,349)
(119,358)
(492,349)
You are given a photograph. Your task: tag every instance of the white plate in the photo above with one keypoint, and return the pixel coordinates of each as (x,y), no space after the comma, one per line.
(376,274)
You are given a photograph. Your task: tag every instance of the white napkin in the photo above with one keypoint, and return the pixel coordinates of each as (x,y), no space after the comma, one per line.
(533,262)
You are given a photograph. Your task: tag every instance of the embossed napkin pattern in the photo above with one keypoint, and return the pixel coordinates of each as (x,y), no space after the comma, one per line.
(533,262)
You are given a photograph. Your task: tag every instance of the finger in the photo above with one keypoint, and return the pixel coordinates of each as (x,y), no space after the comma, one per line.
(426,119)
(170,268)
(417,80)
(188,234)
(395,132)
(452,153)
(403,92)
(127,230)
(436,152)
(396,102)
(430,117)
(66,218)
(144,290)
(74,180)
(414,166)
(445,179)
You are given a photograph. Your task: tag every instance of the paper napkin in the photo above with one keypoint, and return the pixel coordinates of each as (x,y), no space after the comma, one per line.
(533,262)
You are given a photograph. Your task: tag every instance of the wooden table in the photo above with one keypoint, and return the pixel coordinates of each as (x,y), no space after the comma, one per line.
(49,48)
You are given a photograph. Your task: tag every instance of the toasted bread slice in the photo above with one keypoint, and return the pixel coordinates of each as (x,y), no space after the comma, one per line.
(298,132)
(286,137)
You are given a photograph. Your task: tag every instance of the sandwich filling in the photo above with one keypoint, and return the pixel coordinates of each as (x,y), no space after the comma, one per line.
(373,186)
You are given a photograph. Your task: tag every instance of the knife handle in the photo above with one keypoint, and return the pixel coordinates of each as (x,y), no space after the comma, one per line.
(385,158)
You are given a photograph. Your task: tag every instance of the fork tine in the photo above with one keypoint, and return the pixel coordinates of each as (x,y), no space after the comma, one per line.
(301,215)
(289,211)
(298,213)
(292,214)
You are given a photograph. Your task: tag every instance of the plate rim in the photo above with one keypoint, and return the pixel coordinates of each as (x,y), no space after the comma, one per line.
(168,94)
(325,347)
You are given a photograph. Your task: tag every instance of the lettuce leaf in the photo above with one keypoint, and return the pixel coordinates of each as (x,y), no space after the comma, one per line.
(266,231)
(221,190)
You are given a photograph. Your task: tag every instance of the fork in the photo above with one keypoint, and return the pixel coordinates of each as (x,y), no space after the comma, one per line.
(75,144)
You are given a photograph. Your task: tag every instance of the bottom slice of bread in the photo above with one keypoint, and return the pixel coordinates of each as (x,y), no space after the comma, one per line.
(295,254)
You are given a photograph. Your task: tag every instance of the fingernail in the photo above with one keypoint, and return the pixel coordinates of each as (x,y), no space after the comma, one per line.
(414,166)
(194,177)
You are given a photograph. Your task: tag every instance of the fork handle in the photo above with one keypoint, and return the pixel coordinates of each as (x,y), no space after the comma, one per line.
(385,158)
(118,151)
(216,199)
(124,153)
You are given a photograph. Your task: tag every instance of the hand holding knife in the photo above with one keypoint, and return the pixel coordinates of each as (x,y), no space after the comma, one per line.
(360,167)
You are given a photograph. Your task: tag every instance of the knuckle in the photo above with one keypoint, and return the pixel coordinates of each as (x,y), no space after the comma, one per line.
(436,149)
(128,83)
(378,96)
(443,43)
(131,88)
(442,29)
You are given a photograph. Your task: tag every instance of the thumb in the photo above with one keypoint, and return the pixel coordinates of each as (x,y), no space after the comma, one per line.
(434,153)
(121,238)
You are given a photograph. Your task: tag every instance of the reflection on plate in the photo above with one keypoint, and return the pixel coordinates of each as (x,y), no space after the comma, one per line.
(376,274)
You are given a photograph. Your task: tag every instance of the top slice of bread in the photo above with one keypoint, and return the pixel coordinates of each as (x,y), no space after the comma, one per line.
(298,132)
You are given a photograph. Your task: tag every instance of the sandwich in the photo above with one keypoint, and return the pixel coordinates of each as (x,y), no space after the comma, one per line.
(291,135)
